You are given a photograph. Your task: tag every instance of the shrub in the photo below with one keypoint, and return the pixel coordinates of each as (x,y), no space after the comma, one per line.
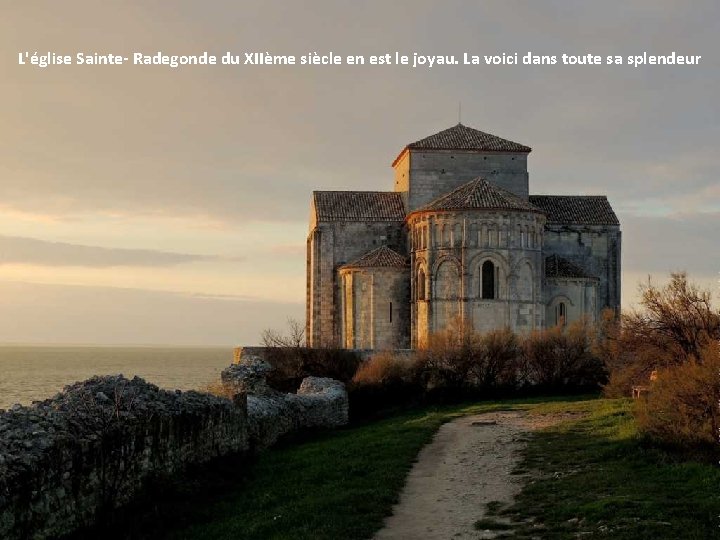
(384,368)
(462,362)
(292,364)
(682,407)
(383,382)
(563,359)
(672,327)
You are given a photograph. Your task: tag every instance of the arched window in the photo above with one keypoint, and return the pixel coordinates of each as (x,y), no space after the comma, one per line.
(421,285)
(488,280)
(561,314)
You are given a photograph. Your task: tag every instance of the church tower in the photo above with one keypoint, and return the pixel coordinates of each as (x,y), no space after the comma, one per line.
(435,165)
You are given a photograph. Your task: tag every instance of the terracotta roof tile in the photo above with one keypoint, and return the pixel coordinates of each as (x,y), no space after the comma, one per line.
(559,267)
(461,137)
(379,257)
(359,206)
(576,209)
(479,194)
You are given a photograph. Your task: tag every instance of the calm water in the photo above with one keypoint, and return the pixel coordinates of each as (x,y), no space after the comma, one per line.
(34,373)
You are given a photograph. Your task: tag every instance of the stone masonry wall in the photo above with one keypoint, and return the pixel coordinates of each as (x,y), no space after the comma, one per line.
(319,403)
(330,245)
(426,175)
(67,460)
(596,249)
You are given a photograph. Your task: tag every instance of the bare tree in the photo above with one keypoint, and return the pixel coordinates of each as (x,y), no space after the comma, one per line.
(678,318)
(293,336)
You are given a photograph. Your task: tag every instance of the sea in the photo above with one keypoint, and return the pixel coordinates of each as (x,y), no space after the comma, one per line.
(29,373)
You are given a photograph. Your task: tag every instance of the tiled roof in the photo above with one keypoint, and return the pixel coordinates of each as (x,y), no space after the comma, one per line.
(379,257)
(576,209)
(358,206)
(479,193)
(558,267)
(461,137)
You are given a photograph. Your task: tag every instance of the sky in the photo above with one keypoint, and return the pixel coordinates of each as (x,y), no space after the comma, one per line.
(151,205)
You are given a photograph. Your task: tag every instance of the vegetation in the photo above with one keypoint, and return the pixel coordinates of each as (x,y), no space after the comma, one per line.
(593,476)
(675,335)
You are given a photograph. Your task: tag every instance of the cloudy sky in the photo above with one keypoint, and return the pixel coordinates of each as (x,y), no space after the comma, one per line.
(169,206)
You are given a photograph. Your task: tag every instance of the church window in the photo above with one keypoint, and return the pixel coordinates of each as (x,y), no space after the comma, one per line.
(391,312)
(421,285)
(488,280)
(560,314)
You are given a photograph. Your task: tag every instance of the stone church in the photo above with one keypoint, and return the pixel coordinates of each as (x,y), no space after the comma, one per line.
(459,238)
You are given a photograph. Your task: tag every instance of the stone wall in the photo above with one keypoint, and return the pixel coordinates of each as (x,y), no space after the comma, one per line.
(319,403)
(375,308)
(330,245)
(449,249)
(596,249)
(423,176)
(66,461)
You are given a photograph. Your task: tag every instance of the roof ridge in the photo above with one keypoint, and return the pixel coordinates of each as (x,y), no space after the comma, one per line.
(381,256)
(462,137)
(479,193)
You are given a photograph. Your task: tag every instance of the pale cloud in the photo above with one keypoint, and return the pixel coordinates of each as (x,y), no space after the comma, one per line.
(82,314)
(31,251)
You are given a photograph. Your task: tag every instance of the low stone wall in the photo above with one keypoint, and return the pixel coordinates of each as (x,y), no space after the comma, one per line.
(319,403)
(240,353)
(66,461)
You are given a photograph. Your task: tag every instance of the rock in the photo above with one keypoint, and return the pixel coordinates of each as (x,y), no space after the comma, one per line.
(319,403)
(248,376)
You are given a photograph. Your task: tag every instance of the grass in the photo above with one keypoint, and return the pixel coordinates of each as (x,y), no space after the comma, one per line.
(594,478)
(590,476)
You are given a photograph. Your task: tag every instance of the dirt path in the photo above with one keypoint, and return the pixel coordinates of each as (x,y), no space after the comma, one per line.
(467,465)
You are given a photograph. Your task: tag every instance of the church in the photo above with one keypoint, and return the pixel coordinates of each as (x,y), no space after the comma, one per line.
(459,238)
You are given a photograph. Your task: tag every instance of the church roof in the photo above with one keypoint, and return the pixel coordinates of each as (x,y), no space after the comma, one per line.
(379,257)
(576,209)
(462,137)
(559,267)
(358,206)
(479,194)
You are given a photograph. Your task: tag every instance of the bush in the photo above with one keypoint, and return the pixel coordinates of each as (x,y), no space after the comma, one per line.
(563,359)
(673,326)
(292,364)
(383,382)
(682,407)
(385,368)
(464,362)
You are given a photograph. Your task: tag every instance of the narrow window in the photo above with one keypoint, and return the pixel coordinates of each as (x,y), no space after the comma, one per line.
(488,280)
(561,314)
(391,312)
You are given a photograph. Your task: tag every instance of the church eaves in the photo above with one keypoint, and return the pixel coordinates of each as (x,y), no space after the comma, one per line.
(382,257)
(479,194)
(576,209)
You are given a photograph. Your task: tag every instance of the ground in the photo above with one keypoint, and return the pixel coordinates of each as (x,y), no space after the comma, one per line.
(469,464)
(588,476)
